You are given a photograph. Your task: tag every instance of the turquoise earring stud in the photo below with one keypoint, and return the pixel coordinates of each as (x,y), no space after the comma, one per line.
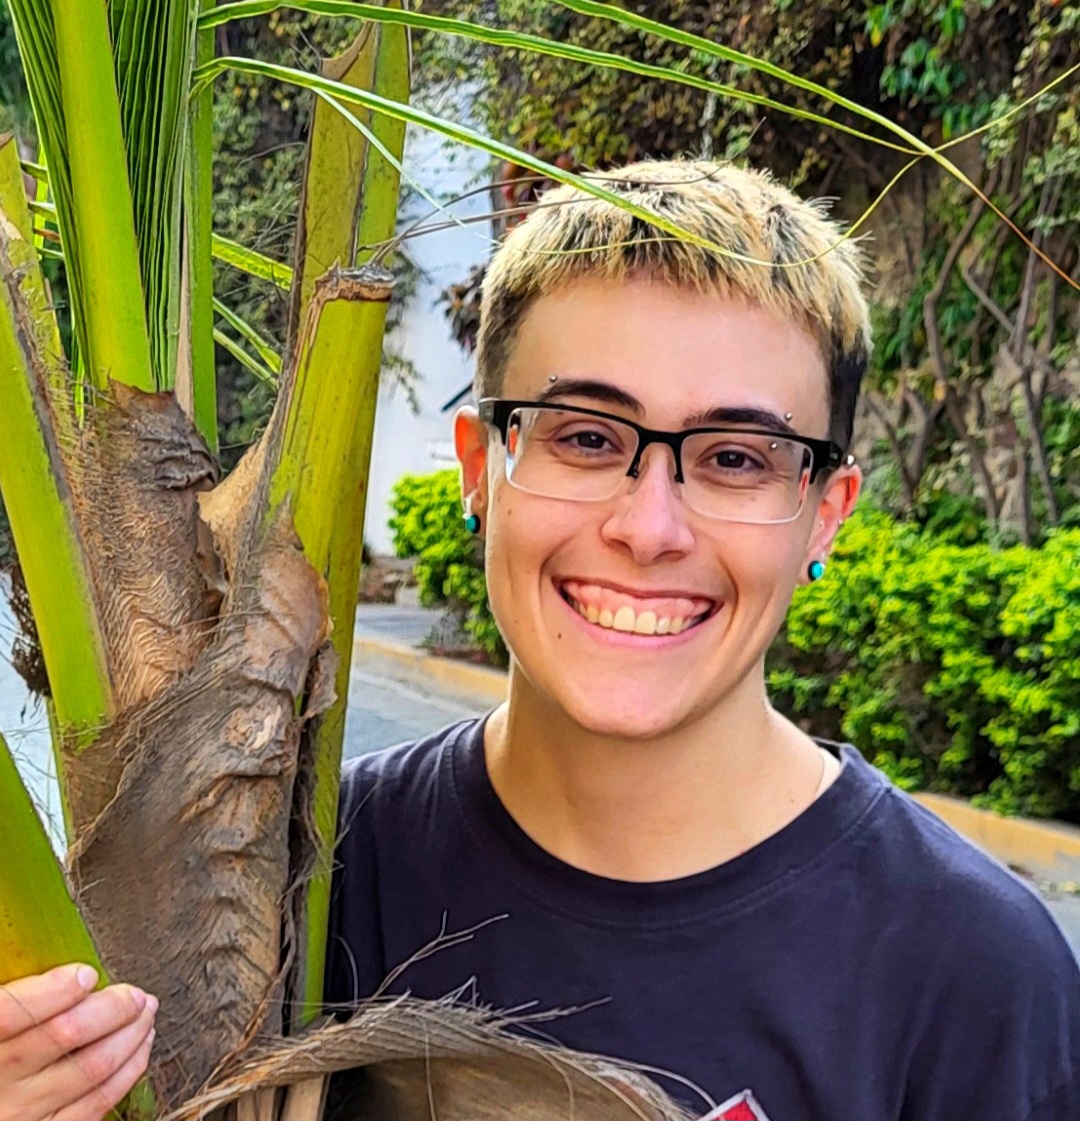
(472,523)
(816,570)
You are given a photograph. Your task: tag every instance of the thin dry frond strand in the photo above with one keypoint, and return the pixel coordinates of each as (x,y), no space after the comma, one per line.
(474,1064)
(780,253)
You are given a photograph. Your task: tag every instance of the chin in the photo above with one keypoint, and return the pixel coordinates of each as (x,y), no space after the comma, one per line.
(624,717)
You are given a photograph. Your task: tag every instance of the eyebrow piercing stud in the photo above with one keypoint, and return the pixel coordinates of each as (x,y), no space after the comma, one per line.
(788,416)
(553,377)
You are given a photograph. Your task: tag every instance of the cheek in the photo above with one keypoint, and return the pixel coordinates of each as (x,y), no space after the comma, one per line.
(764,562)
(520,536)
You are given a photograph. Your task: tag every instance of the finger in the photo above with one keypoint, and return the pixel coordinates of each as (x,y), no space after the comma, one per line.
(99,1015)
(83,1073)
(97,1104)
(32,1000)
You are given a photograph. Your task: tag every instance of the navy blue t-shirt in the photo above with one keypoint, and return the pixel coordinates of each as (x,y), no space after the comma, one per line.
(863,964)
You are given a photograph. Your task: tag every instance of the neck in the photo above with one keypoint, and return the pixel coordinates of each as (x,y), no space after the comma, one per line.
(660,809)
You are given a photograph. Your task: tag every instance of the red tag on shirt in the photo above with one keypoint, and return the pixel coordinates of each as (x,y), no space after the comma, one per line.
(742,1107)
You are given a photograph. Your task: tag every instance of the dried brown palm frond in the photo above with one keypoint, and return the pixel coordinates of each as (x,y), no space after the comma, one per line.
(444,1061)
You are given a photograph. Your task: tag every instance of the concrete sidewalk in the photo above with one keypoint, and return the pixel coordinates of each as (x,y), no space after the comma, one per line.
(408,626)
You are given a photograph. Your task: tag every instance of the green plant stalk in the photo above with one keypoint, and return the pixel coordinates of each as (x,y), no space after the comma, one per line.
(329,402)
(251,336)
(198,252)
(13,201)
(107,263)
(248,361)
(518,40)
(378,216)
(326,229)
(251,262)
(40,926)
(32,384)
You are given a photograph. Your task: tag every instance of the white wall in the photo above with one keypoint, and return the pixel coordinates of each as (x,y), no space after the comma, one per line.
(25,726)
(405,443)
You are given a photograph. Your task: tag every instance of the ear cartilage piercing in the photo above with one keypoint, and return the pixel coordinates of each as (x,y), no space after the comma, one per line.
(816,570)
(472,523)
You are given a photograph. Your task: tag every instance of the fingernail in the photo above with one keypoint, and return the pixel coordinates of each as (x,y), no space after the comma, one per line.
(151,1037)
(86,977)
(152,1004)
(140,998)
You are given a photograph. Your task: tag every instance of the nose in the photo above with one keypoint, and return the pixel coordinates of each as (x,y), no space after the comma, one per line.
(650,517)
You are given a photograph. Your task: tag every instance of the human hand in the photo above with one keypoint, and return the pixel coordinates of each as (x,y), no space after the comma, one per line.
(68,1053)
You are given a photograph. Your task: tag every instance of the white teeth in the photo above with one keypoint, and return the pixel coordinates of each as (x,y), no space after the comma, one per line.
(645,623)
(629,622)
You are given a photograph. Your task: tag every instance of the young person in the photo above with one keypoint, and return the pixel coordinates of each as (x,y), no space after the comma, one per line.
(658,459)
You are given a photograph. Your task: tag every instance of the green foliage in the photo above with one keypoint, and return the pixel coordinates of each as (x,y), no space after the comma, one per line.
(428,524)
(954,668)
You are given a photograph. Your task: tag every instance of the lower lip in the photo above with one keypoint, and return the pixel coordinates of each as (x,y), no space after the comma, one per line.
(629,639)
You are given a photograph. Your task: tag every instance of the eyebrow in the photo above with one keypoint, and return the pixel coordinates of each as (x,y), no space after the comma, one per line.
(594,391)
(608,394)
(757,418)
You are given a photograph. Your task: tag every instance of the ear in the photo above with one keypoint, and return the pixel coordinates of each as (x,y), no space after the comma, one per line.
(835,504)
(471,443)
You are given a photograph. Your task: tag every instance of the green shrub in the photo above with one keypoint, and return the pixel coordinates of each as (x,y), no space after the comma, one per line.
(429,523)
(954,667)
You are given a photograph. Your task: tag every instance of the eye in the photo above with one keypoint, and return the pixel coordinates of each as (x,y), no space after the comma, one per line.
(588,440)
(734,459)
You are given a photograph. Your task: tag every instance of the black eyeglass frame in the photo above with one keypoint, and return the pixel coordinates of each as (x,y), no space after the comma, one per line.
(824,454)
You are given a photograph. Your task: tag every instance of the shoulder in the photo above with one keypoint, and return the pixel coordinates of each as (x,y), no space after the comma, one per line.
(964,895)
(403,776)
(994,985)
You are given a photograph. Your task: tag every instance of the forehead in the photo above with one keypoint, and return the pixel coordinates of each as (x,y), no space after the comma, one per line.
(678,352)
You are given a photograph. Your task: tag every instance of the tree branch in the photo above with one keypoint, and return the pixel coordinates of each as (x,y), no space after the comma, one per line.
(895,445)
(941,367)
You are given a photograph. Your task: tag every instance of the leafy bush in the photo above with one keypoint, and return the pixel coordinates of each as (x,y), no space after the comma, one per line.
(954,667)
(428,523)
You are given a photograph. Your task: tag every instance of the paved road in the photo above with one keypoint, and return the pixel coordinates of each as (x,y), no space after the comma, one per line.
(383,711)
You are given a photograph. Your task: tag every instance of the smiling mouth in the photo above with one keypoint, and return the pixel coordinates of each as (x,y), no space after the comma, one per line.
(618,611)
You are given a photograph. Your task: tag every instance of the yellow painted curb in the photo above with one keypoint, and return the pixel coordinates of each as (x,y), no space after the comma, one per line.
(1050,850)
(1047,849)
(425,670)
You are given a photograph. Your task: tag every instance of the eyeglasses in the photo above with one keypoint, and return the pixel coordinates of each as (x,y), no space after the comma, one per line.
(584,455)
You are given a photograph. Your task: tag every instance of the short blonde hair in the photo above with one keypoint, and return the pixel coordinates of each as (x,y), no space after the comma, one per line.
(573,235)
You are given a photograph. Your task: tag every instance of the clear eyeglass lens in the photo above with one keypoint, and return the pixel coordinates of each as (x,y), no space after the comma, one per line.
(732,475)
